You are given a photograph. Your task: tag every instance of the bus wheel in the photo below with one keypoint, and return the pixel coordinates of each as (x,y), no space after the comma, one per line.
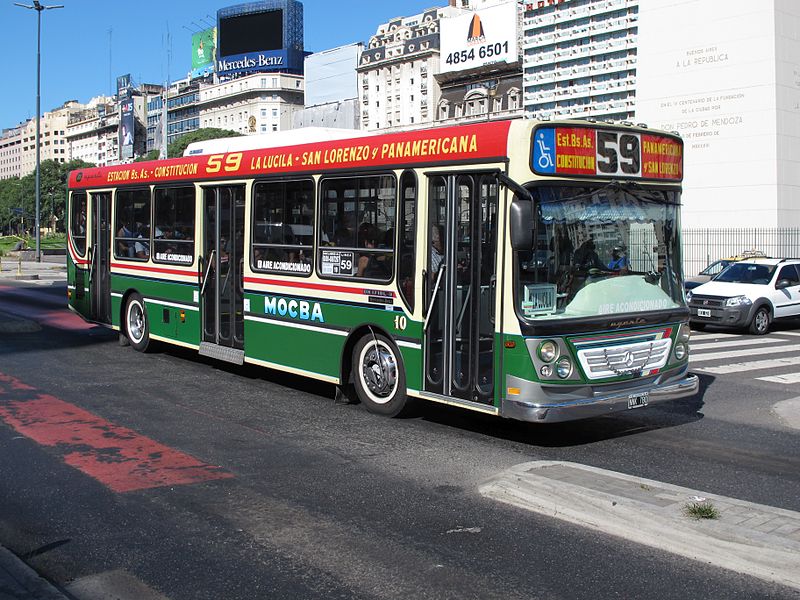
(136,327)
(379,376)
(760,323)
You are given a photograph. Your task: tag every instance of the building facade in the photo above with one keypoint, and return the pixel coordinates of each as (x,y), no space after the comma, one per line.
(580,58)
(729,83)
(258,103)
(397,71)
(92,132)
(18,144)
(11,152)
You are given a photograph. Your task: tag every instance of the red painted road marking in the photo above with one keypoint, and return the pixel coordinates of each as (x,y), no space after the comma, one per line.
(18,301)
(117,457)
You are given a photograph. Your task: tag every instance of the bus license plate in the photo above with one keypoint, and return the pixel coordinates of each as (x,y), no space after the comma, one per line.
(637,400)
(703,312)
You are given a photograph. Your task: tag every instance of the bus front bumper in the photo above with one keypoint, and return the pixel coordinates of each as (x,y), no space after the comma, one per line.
(588,401)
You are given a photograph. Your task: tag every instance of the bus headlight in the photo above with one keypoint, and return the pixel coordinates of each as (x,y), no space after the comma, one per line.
(680,351)
(688,296)
(548,350)
(684,332)
(564,368)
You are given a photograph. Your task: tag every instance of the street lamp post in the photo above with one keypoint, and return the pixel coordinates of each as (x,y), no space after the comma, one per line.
(38,7)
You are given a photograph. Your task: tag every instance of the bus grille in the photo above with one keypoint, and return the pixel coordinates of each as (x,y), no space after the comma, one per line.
(625,359)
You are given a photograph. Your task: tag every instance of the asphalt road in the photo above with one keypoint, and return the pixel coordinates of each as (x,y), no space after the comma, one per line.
(298,497)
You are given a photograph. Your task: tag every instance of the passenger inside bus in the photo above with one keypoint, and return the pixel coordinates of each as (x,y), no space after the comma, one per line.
(370,265)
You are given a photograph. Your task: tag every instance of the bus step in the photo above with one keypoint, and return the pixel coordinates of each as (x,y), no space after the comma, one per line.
(231,355)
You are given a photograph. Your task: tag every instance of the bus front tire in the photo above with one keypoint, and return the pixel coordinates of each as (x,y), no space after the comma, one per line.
(379,376)
(137,329)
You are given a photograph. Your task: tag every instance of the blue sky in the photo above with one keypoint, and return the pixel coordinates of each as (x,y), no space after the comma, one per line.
(75,42)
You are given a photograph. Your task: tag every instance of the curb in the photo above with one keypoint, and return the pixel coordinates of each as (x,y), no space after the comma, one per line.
(18,580)
(755,539)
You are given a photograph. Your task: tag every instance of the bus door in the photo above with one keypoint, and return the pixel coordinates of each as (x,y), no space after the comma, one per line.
(461,286)
(100,266)
(222,293)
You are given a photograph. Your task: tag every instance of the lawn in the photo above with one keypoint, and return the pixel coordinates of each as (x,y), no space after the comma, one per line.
(50,242)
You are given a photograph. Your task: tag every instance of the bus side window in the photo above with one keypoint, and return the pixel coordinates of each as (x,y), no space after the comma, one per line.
(77,222)
(406,269)
(283,226)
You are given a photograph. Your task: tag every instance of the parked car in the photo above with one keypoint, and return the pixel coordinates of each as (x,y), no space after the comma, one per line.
(716,267)
(750,294)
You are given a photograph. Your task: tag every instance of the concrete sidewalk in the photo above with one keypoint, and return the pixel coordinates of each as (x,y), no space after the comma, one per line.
(22,266)
(19,582)
(755,539)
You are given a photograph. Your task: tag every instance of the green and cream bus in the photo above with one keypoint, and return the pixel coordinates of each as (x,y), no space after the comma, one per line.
(529,270)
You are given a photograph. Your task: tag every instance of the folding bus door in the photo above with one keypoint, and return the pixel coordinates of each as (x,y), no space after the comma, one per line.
(461,286)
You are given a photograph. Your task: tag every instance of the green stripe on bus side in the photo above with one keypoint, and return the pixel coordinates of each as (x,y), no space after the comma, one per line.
(335,317)
(165,321)
(313,351)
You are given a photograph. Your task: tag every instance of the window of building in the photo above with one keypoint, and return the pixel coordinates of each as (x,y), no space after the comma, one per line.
(132,224)
(358,227)
(283,227)
(174,225)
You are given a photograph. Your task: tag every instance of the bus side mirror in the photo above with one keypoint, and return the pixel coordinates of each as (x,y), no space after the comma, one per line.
(521,222)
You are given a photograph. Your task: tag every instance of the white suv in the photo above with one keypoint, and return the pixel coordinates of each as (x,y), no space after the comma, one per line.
(750,293)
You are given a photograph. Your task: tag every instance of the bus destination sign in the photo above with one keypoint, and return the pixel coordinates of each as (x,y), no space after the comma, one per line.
(597,152)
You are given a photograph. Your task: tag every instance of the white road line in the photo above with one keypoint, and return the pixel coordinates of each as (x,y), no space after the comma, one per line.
(795,333)
(694,346)
(755,365)
(788,378)
(705,335)
(705,357)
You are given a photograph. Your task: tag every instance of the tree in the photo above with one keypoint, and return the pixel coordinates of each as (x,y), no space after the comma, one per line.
(21,193)
(176,148)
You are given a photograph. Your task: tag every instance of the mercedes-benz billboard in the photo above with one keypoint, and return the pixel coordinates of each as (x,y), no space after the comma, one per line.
(260,36)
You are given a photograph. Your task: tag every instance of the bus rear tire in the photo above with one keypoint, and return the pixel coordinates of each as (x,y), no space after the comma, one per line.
(379,376)
(137,328)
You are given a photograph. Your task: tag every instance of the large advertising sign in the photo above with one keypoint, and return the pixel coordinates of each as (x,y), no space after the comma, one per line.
(479,38)
(126,119)
(255,41)
(614,153)
(204,52)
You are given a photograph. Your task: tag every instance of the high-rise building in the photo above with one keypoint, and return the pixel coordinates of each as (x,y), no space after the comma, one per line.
(580,58)
(397,68)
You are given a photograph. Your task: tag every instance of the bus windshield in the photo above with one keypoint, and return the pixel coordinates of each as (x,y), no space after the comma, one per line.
(599,251)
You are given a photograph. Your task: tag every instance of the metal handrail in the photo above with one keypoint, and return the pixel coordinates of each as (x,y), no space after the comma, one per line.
(435,296)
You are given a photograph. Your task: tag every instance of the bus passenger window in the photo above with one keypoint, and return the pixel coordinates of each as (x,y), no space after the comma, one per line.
(357,234)
(283,227)
(132,224)
(173,234)
(77,222)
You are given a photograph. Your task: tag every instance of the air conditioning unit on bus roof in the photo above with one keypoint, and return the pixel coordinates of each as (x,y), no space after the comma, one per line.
(303,135)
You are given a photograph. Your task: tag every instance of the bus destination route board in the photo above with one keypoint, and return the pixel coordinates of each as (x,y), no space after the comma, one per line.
(597,152)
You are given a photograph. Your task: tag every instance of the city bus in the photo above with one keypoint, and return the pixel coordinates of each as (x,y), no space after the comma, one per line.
(529,270)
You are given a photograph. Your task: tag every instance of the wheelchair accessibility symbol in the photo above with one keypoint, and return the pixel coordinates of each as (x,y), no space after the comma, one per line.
(544,151)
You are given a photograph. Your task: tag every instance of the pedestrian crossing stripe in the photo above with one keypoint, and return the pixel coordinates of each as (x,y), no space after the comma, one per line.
(755,365)
(699,346)
(788,378)
(708,356)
